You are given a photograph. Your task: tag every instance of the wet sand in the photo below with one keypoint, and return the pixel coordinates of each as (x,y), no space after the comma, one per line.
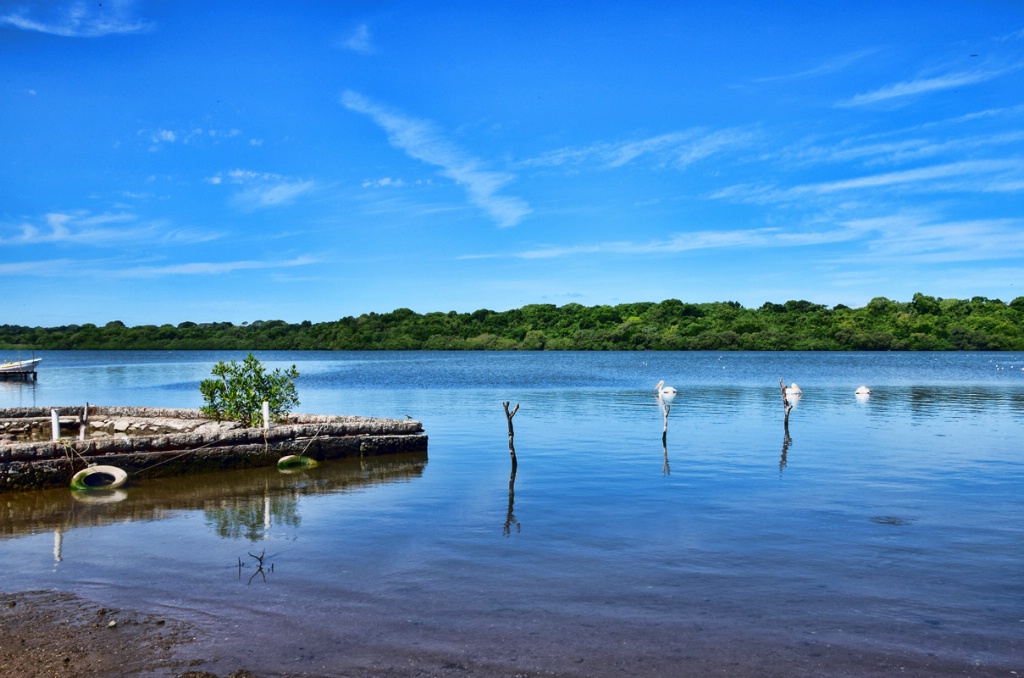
(59,634)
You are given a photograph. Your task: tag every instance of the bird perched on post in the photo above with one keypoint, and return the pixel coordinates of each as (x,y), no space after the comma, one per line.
(665,396)
(666,393)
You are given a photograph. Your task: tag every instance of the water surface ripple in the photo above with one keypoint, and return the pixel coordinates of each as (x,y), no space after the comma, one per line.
(891,525)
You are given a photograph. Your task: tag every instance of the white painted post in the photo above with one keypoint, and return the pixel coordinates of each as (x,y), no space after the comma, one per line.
(266,414)
(55,424)
(58,544)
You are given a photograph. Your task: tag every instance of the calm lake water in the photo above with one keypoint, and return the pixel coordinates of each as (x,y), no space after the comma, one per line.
(891,525)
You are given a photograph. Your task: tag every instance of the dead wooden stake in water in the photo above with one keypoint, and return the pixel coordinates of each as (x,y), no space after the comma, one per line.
(511,433)
(786,405)
(83,422)
(510,518)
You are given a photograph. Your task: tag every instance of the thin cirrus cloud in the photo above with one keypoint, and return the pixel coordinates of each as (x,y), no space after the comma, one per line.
(828,67)
(896,237)
(106,268)
(210,268)
(1003,175)
(99,230)
(912,88)
(702,240)
(898,151)
(421,140)
(262,189)
(77,19)
(161,137)
(910,237)
(672,149)
(359,40)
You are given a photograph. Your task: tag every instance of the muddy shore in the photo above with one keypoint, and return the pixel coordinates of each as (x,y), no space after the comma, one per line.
(62,635)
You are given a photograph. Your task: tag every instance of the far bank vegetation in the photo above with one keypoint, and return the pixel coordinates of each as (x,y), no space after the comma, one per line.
(923,324)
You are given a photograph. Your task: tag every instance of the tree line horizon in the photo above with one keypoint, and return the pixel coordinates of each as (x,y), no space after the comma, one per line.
(925,323)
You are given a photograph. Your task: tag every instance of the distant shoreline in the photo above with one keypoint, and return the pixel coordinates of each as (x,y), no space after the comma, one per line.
(923,324)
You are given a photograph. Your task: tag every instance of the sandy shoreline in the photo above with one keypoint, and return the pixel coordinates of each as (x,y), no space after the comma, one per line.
(60,634)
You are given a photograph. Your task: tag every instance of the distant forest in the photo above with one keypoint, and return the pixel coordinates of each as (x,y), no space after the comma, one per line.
(923,324)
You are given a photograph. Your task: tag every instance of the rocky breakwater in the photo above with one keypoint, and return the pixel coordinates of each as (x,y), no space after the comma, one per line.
(150,442)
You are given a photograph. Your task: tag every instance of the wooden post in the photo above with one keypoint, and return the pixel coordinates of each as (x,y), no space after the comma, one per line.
(266,414)
(510,518)
(786,405)
(55,424)
(511,433)
(83,422)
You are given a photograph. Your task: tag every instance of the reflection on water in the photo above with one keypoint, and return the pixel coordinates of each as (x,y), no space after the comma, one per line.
(234,503)
(895,514)
(510,516)
(786,442)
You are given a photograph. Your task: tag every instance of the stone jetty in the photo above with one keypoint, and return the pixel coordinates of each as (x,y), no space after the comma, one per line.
(149,442)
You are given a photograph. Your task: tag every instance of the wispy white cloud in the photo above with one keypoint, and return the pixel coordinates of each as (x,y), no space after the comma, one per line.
(919,175)
(39,268)
(702,240)
(273,195)
(978,176)
(828,67)
(263,189)
(120,269)
(911,88)
(897,151)
(161,137)
(97,230)
(76,19)
(422,140)
(673,149)
(393,182)
(209,267)
(916,238)
(359,40)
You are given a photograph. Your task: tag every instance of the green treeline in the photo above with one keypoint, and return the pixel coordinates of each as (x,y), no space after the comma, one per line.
(923,324)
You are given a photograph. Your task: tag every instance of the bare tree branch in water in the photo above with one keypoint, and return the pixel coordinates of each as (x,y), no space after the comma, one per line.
(510,518)
(259,566)
(511,433)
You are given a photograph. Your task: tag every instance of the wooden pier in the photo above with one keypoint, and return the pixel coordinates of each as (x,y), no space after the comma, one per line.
(23,375)
(20,369)
(151,442)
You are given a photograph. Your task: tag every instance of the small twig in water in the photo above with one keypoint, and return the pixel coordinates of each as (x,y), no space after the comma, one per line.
(259,566)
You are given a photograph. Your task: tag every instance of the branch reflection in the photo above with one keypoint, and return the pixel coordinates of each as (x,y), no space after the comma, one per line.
(510,516)
(236,504)
(665,470)
(786,442)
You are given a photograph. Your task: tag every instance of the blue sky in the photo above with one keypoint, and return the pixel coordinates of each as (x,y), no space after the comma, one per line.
(163,162)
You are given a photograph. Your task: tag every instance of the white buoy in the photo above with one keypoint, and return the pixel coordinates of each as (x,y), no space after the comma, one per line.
(863,390)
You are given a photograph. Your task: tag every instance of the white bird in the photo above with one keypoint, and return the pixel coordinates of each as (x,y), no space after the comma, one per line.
(666,393)
(793,389)
(665,396)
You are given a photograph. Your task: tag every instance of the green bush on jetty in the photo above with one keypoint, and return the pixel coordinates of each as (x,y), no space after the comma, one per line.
(239,392)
